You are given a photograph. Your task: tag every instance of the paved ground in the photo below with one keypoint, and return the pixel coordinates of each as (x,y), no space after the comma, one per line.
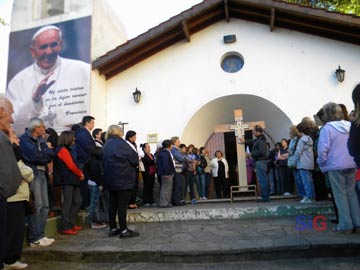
(204,244)
(338,263)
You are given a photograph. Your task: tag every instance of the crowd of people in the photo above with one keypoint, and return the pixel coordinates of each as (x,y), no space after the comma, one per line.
(100,172)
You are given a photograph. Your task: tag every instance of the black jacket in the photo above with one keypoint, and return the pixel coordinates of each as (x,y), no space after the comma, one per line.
(62,174)
(147,161)
(354,143)
(84,143)
(119,161)
(165,163)
(258,151)
(94,170)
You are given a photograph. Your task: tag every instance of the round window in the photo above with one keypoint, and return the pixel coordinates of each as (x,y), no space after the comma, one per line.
(232,62)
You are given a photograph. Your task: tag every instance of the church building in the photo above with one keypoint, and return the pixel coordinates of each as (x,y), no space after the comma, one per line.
(275,61)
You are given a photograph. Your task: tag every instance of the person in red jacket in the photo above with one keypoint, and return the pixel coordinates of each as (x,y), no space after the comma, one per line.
(68,175)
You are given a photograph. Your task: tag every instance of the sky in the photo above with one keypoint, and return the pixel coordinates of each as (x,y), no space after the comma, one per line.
(136,21)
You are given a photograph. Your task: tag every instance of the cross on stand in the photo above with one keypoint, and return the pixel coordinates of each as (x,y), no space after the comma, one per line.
(122,126)
(240,127)
(50,118)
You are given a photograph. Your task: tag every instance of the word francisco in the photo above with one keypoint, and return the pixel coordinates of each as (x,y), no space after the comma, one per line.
(317,223)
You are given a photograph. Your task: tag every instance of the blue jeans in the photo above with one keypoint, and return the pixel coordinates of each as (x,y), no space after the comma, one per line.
(37,221)
(299,184)
(263,180)
(307,182)
(202,186)
(94,204)
(343,187)
(197,183)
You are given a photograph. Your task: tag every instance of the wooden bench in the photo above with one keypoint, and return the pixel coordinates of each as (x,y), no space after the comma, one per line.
(242,189)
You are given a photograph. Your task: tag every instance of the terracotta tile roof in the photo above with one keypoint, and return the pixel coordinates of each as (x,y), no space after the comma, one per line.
(318,22)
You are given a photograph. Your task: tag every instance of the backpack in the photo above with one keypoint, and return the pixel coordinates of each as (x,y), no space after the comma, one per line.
(291,162)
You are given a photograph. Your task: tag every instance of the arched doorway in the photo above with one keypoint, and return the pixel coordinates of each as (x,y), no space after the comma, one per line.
(200,128)
(221,111)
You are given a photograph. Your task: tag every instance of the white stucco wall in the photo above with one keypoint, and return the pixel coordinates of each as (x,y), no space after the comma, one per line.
(107,31)
(294,71)
(24,12)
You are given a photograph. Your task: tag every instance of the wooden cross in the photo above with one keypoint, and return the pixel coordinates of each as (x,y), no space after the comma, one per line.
(239,127)
(50,118)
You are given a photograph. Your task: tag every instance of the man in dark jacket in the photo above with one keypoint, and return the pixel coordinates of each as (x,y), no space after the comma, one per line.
(84,144)
(258,153)
(119,162)
(166,170)
(37,155)
(10,176)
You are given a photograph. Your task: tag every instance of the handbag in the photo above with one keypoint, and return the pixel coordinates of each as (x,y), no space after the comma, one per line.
(141,166)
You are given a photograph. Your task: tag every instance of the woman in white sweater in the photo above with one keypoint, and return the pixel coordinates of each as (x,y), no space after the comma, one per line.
(220,173)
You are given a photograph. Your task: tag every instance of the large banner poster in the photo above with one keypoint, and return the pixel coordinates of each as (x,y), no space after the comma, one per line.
(49,74)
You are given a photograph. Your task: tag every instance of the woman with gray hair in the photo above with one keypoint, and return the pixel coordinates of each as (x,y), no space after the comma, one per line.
(335,161)
(119,162)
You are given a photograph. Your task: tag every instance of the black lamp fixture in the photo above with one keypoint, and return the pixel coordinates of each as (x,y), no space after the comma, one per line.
(340,74)
(137,95)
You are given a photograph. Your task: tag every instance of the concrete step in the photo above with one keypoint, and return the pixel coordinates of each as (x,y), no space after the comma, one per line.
(217,209)
(203,241)
(226,210)
(343,263)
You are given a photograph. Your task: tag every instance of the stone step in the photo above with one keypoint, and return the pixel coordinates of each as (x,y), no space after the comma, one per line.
(202,241)
(343,263)
(224,210)
(217,209)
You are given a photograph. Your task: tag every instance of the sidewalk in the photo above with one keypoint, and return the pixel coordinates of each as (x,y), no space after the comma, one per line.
(202,241)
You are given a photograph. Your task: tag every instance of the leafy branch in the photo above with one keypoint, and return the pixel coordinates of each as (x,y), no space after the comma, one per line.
(341,6)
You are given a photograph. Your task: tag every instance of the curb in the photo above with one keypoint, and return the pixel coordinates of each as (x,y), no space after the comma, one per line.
(237,255)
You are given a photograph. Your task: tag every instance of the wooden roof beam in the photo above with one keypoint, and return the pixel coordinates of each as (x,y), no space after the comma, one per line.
(323,29)
(136,60)
(185,29)
(226,7)
(272,19)
(127,57)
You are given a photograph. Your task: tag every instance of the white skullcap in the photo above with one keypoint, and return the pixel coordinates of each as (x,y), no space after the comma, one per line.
(44,29)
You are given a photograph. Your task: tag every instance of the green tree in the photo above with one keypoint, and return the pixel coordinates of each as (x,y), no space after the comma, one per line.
(341,6)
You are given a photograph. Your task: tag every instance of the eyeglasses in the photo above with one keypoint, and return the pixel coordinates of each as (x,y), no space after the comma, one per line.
(52,45)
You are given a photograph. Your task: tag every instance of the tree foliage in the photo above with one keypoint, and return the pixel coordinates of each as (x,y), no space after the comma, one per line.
(341,6)
(2,21)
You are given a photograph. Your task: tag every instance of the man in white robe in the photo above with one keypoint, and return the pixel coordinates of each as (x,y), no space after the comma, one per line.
(53,88)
